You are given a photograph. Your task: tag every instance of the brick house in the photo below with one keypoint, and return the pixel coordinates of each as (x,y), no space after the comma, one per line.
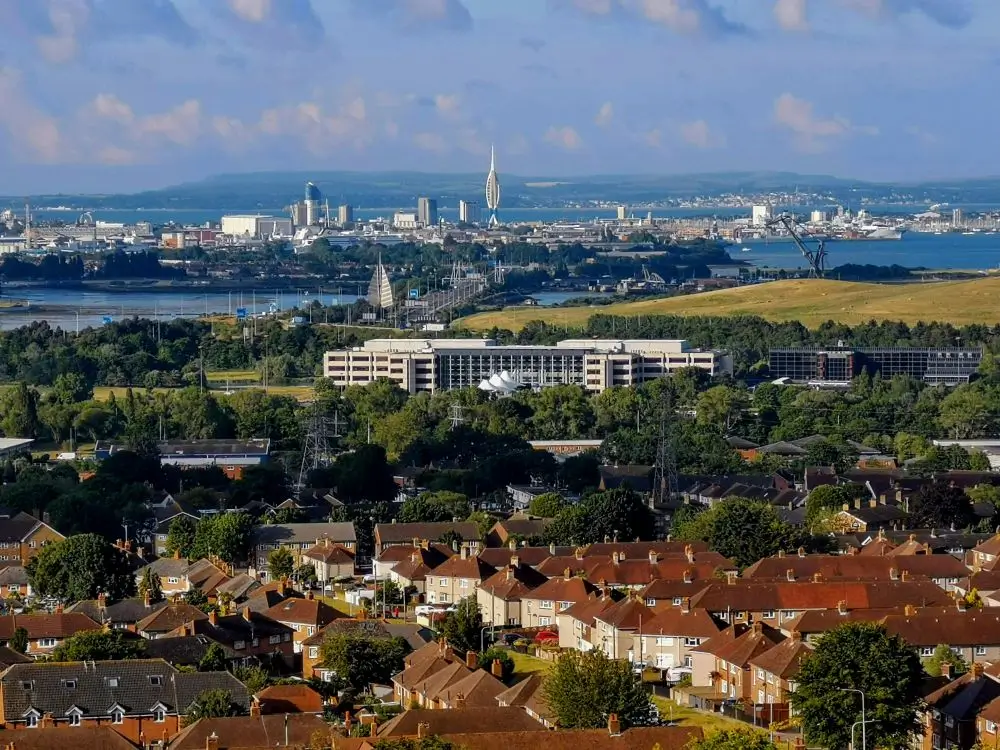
(172,572)
(395,534)
(312,647)
(772,674)
(297,538)
(951,714)
(164,621)
(731,676)
(141,699)
(578,622)
(666,640)
(247,633)
(499,596)
(22,536)
(616,626)
(457,577)
(541,606)
(304,616)
(45,631)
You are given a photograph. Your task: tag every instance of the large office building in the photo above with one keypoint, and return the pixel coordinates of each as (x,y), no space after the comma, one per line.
(469,212)
(945,366)
(256,227)
(429,365)
(427,211)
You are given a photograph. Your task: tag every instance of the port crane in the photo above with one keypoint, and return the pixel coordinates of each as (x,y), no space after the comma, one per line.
(816,258)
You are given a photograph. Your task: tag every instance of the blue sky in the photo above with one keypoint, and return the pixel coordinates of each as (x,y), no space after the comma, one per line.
(109,95)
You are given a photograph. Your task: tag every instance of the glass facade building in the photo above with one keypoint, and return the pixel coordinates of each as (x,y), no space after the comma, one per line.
(946,366)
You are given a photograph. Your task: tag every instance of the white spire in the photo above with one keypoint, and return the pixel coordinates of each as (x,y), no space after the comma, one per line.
(493,159)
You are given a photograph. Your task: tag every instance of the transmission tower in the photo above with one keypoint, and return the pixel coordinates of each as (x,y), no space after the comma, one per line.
(665,475)
(322,433)
(456,415)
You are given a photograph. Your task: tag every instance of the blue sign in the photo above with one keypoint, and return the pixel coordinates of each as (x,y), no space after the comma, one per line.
(107,319)
(241,313)
(414,294)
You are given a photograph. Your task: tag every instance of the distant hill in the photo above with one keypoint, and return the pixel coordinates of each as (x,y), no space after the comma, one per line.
(809,301)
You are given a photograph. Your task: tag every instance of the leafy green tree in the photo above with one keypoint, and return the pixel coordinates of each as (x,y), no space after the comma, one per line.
(490,655)
(70,388)
(734,739)
(944,654)
(150,585)
(100,645)
(81,567)
(561,412)
(967,412)
(614,514)
(254,677)
(463,626)
(214,703)
(362,659)
(547,505)
(483,520)
(19,640)
(213,660)
(434,507)
(19,407)
(859,656)
(720,407)
(828,499)
(227,535)
(181,536)
(364,475)
(939,505)
(743,530)
(280,563)
(583,689)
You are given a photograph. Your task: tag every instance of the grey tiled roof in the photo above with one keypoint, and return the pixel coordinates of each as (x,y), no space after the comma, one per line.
(137,685)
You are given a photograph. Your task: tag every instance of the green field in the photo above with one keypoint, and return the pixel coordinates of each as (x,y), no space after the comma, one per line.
(810,301)
(299,392)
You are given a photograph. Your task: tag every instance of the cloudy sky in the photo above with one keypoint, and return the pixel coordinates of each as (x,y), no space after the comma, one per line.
(107,95)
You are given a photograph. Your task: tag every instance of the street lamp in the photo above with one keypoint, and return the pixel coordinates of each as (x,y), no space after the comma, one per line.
(863,722)
(482,635)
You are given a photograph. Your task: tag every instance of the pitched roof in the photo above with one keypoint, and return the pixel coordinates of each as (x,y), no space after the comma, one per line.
(627,614)
(641,572)
(331,554)
(303,612)
(42,625)
(753,642)
(238,586)
(169,618)
(289,699)
(81,738)
(124,611)
(509,583)
(17,527)
(755,596)
(9,656)
(244,626)
(467,721)
(136,685)
(526,527)
(639,550)
(265,731)
(562,589)
(857,567)
(533,556)
(636,738)
(587,610)
(433,554)
(480,688)
(783,660)
(527,694)
(184,650)
(469,567)
(416,635)
(303,533)
(674,621)
(167,567)
(396,533)
(929,627)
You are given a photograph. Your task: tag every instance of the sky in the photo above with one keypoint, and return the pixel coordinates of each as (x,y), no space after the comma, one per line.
(122,95)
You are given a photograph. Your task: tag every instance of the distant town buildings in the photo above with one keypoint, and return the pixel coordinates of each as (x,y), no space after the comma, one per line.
(256,227)
(469,212)
(493,190)
(760,215)
(421,365)
(345,214)
(945,366)
(427,211)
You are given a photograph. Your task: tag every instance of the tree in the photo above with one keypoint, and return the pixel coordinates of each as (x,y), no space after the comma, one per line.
(81,567)
(614,514)
(100,645)
(826,500)
(213,660)
(507,666)
(483,520)
(720,407)
(361,659)
(181,535)
(19,640)
(434,507)
(859,656)
(743,530)
(19,407)
(463,626)
(734,739)
(944,654)
(583,689)
(280,563)
(254,677)
(150,585)
(939,505)
(547,505)
(226,535)
(364,475)
(70,388)
(212,704)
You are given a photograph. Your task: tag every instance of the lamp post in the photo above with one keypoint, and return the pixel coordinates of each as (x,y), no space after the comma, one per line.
(863,722)
(482,635)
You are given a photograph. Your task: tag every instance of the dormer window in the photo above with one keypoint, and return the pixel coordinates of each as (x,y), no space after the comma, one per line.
(117,716)
(70,684)
(26,685)
(155,680)
(113,682)
(31,717)
(159,715)
(73,716)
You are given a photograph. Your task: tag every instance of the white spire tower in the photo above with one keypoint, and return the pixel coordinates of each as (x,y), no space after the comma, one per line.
(493,190)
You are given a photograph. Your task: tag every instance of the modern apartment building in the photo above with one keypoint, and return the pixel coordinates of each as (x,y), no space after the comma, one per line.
(944,366)
(429,365)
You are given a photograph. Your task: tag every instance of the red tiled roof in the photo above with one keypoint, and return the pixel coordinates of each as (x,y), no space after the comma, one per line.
(280,699)
(856,567)
(332,554)
(470,567)
(696,623)
(784,659)
(749,644)
(498,720)
(169,618)
(41,625)
(755,596)
(562,590)
(303,612)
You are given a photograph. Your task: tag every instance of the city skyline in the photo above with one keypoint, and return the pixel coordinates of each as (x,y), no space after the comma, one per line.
(117,96)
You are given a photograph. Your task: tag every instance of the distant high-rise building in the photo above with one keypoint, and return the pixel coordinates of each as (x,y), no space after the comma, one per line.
(622,213)
(469,212)
(380,288)
(493,190)
(817,217)
(312,201)
(345,214)
(761,215)
(957,218)
(427,211)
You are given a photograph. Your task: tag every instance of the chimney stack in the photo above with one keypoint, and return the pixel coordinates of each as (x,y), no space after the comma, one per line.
(689,553)
(781,553)
(893,573)
(946,670)
(654,558)
(496,668)
(247,614)
(567,574)
(578,553)
(423,729)
(817,577)
(552,549)
(789,575)
(512,544)
(802,551)
(147,600)
(688,575)
(842,607)
(212,742)
(904,575)
(685,604)
(213,617)
(910,611)
(515,561)
(254,707)
(465,551)
(614,727)
(471,659)
(177,554)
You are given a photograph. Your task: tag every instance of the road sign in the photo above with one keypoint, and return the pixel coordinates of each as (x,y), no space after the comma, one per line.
(241,313)
(107,319)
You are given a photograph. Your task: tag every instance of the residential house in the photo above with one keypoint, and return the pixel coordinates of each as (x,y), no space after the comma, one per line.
(393,534)
(247,634)
(84,738)
(141,699)
(172,572)
(541,606)
(521,495)
(985,555)
(208,574)
(432,555)
(868,518)
(14,582)
(616,627)
(617,572)
(499,557)
(496,722)
(661,594)
(165,620)
(22,536)
(305,616)
(772,676)
(332,562)
(636,477)
(974,634)
(237,588)
(666,640)
(122,615)
(312,667)
(186,651)
(45,631)
(527,694)
(499,596)
(988,724)
(164,514)
(731,675)
(457,577)
(289,699)
(516,528)
(256,731)
(577,623)
(262,598)
(951,714)
(298,538)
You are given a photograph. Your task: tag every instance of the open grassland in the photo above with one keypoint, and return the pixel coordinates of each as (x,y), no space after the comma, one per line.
(810,301)
(299,392)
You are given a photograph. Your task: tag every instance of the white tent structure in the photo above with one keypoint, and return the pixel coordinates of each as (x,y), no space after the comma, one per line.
(503,383)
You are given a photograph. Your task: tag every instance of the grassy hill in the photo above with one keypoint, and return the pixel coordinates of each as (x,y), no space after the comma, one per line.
(811,301)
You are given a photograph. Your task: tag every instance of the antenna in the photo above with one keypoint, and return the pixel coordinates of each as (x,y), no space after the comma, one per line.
(456,415)
(27,225)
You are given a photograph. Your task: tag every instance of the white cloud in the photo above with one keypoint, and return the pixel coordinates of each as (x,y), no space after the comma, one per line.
(791,15)
(66,18)
(653,138)
(446,104)
(31,130)
(254,11)
(564,137)
(110,107)
(180,125)
(605,115)
(680,16)
(433,142)
(813,133)
(698,133)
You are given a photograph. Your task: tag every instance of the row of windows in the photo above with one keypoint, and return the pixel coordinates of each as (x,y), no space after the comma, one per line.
(73,719)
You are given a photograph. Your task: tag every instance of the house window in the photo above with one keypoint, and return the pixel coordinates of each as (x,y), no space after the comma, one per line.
(113,682)
(74,720)
(651,602)
(725,687)
(927,651)
(464,583)
(117,717)
(760,676)
(159,715)
(760,696)
(545,604)
(277,639)
(173,580)
(443,599)
(155,679)
(287,637)
(688,661)
(770,679)
(543,620)
(26,685)
(47,642)
(787,614)
(310,630)
(991,727)
(239,645)
(70,684)
(314,652)
(31,721)
(563,606)
(255,642)
(767,614)
(691,642)
(664,641)
(980,650)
